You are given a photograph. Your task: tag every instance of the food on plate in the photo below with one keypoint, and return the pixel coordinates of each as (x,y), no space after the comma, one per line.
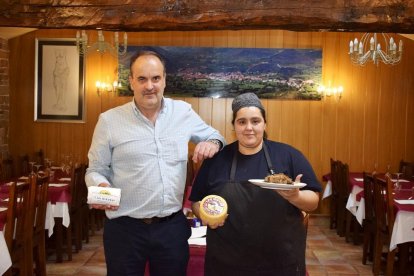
(213,209)
(279,178)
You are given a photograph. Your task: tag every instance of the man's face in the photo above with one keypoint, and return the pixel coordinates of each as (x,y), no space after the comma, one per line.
(147,80)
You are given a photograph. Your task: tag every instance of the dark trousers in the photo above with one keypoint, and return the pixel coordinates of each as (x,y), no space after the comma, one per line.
(130,243)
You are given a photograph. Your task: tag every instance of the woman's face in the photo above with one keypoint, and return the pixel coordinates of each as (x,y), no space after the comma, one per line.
(249,126)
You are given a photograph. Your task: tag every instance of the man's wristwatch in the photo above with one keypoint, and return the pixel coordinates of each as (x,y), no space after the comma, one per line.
(216,141)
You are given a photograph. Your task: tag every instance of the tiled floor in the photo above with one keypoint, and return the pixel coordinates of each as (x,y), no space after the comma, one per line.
(327,254)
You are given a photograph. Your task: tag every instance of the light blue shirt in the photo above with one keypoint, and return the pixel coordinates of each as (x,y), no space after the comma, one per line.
(147,162)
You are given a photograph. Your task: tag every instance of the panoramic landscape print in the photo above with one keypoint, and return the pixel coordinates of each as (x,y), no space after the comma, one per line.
(227,72)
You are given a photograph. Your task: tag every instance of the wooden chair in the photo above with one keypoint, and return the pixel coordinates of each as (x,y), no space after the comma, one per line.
(40,185)
(22,166)
(368,223)
(334,195)
(79,207)
(19,230)
(385,217)
(407,169)
(342,189)
(39,157)
(7,169)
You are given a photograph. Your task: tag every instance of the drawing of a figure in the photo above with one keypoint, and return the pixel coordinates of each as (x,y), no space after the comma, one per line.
(60,79)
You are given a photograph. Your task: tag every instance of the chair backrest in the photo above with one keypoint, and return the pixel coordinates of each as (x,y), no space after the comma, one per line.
(39,157)
(343,187)
(22,167)
(407,169)
(334,176)
(384,204)
(369,196)
(7,169)
(40,185)
(77,191)
(19,227)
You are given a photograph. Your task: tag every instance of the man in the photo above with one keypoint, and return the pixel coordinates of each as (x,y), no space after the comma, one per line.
(142,148)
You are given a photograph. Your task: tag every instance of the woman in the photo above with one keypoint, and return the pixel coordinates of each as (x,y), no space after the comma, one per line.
(264,232)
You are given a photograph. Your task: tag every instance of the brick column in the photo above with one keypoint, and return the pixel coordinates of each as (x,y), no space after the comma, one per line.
(4,98)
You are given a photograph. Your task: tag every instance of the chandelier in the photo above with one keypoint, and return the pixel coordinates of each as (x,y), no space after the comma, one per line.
(369,49)
(101,45)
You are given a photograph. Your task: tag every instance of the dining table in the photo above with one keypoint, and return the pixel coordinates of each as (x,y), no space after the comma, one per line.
(57,209)
(5,260)
(403,229)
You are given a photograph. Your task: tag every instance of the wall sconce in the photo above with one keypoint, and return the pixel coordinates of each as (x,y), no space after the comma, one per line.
(102,87)
(328,91)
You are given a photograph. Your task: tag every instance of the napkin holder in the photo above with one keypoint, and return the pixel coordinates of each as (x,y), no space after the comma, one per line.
(104,195)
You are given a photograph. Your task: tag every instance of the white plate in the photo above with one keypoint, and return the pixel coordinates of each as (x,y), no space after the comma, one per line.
(276,186)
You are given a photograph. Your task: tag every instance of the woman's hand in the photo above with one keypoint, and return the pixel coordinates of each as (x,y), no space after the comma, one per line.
(215,225)
(305,200)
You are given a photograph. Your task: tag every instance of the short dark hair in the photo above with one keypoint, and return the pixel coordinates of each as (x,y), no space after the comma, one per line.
(146,53)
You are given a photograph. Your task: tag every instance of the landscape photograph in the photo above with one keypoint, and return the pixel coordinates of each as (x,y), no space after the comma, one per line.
(271,73)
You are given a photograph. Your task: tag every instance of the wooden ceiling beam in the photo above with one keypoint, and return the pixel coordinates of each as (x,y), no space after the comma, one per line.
(395,16)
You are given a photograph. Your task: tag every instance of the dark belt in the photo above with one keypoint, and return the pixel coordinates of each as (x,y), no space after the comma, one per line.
(158,219)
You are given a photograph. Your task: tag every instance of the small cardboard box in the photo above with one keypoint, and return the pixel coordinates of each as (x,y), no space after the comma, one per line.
(104,195)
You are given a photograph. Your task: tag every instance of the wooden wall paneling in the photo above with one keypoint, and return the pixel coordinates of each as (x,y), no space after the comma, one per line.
(248,39)
(205,109)
(229,131)
(288,125)
(387,117)
(221,38)
(276,38)
(66,141)
(366,82)
(39,137)
(274,120)
(51,149)
(328,122)
(299,111)
(206,39)
(234,39)
(343,105)
(407,85)
(93,101)
(290,39)
(262,38)
(170,38)
(80,146)
(399,116)
(355,90)
(218,115)
(305,40)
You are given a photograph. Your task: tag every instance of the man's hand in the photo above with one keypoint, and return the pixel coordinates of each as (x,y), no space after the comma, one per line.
(103,206)
(204,150)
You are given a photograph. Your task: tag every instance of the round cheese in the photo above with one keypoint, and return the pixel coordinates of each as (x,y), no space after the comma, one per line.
(213,209)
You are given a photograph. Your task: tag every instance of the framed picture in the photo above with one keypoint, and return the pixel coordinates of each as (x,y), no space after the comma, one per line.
(59,81)
(215,72)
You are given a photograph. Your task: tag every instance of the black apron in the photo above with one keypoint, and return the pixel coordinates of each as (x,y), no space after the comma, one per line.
(263,234)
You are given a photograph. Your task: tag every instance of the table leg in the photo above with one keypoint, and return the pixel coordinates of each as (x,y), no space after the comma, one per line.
(58,239)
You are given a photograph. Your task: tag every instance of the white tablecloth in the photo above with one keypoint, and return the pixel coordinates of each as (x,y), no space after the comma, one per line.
(58,210)
(5,261)
(352,204)
(328,190)
(403,230)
